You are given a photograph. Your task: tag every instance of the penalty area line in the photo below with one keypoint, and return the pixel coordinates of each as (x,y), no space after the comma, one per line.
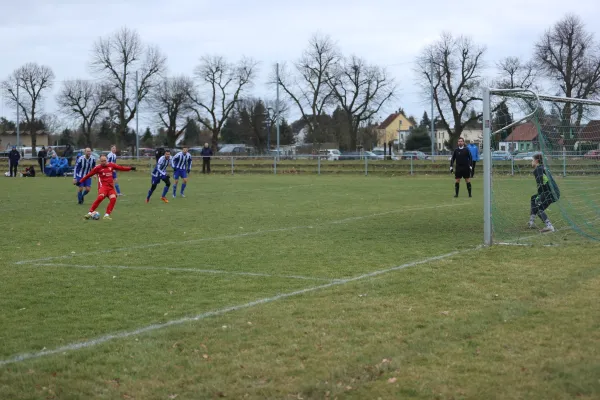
(239,235)
(150,328)
(182,269)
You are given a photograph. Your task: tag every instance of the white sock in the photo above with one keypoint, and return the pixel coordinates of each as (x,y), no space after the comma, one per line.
(532,219)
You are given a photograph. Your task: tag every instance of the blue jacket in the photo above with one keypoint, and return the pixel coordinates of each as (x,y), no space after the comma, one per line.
(474,149)
(55,162)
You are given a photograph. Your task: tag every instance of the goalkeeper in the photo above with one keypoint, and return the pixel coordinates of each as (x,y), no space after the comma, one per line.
(547,194)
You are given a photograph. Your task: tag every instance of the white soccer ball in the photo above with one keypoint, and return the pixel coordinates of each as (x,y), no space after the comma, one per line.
(96,215)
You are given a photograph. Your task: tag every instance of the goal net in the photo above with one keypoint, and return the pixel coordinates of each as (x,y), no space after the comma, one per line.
(566,134)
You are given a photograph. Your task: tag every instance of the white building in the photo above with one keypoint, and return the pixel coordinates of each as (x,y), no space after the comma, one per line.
(471,135)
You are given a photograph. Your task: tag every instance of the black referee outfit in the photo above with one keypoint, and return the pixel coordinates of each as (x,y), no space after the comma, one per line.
(464,163)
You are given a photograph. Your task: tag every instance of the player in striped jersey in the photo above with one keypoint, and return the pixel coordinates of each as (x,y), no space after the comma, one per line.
(83,166)
(112,158)
(182,164)
(159,173)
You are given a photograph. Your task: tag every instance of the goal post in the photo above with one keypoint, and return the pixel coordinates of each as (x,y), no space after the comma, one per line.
(565,131)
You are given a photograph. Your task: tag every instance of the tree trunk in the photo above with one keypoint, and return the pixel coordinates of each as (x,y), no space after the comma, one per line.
(215,139)
(171,138)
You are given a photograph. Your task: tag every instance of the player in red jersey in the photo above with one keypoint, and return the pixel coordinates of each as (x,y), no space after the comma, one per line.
(106,186)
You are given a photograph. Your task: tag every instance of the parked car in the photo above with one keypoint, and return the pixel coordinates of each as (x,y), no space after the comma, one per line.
(379,152)
(357,155)
(592,155)
(524,156)
(414,155)
(372,156)
(236,150)
(330,154)
(501,156)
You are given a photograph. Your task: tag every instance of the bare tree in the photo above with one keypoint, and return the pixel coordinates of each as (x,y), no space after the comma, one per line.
(570,57)
(221,85)
(361,90)
(32,80)
(117,58)
(84,101)
(170,100)
(515,74)
(457,64)
(308,85)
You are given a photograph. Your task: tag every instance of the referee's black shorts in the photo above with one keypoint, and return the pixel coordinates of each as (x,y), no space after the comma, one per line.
(462,173)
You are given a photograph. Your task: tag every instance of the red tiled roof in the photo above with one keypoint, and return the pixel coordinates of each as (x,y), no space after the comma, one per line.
(388,121)
(523,133)
(591,131)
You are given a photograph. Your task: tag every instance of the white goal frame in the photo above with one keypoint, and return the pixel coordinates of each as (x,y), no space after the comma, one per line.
(488,239)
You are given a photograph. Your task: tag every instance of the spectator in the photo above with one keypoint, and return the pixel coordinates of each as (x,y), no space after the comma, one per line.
(68,154)
(51,153)
(57,166)
(29,172)
(158,153)
(13,160)
(206,153)
(42,154)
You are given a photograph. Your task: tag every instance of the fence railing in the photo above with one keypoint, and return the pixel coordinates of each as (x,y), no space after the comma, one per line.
(562,163)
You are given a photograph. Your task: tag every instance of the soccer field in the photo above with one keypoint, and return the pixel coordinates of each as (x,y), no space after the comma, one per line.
(287,287)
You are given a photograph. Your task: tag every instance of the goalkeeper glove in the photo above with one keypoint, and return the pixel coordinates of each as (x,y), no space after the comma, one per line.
(451,169)
(133,168)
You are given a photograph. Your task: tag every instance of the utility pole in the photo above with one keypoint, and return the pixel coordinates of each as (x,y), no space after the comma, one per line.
(432,118)
(269,129)
(137,118)
(277,109)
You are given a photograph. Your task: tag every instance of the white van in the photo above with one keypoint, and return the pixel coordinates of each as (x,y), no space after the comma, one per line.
(330,154)
(26,152)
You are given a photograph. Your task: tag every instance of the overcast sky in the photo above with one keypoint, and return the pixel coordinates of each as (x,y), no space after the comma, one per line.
(60,34)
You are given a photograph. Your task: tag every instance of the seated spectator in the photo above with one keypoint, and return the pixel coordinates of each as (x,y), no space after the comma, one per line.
(29,172)
(58,166)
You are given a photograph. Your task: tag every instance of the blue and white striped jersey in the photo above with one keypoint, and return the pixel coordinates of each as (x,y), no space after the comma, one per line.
(182,161)
(160,169)
(83,166)
(111,157)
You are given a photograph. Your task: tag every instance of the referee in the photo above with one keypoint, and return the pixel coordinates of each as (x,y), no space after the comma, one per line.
(464,166)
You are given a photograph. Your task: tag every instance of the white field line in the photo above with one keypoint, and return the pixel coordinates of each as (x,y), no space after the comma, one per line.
(236,236)
(180,269)
(121,335)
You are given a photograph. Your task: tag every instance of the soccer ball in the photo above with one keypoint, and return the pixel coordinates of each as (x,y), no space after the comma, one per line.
(96,215)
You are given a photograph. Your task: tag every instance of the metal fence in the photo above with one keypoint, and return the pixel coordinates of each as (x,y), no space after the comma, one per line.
(562,163)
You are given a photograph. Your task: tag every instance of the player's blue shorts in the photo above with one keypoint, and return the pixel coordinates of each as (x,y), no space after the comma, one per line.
(156,179)
(180,173)
(114,174)
(86,183)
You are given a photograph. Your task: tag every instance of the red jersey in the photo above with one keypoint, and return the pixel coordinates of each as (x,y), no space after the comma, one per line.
(105,174)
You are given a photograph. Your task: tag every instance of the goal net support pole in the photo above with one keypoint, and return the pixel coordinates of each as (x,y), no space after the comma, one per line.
(487,169)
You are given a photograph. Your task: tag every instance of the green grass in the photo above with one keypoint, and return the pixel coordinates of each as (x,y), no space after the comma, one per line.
(504,322)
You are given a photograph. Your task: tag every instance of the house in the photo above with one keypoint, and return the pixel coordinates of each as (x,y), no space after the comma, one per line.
(471,134)
(523,138)
(9,138)
(591,132)
(395,127)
